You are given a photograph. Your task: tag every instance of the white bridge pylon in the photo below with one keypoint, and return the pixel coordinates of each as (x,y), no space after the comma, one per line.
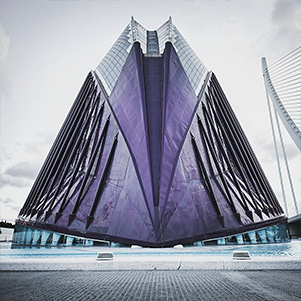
(282,82)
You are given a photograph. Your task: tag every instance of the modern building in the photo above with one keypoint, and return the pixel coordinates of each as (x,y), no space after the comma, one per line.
(151,154)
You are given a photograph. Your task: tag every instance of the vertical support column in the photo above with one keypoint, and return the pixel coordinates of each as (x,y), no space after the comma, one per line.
(282,232)
(35,237)
(23,235)
(271,234)
(18,241)
(252,236)
(170,32)
(45,235)
(55,239)
(69,241)
(264,67)
(16,237)
(277,234)
(88,242)
(133,28)
(221,241)
(28,236)
(288,172)
(19,237)
(239,239)
(263,235)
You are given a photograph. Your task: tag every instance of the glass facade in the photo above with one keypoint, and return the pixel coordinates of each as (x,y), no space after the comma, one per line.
(164,35)
(194,68)
(139,34)
(110,67)
(272,234)
(27,236)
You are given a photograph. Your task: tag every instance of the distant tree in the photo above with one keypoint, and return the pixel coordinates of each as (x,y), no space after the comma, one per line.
(5,224)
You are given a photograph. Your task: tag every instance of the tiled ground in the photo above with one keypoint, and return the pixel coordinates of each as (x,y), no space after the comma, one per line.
(150,285)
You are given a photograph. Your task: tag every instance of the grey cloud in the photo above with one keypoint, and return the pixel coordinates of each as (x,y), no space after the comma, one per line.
(25,170)
(9,203)
(283,33)
(270,154)
(291,151)
(23,173)
(16,208)
(19,175)
(6,84)
(4,70)
(268,150)
(6,201)
(42,141)
(4,43)
(6,180)
(284,9)
(5,154)
(286,21)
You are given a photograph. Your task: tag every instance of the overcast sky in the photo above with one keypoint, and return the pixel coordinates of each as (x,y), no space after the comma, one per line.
(48,47)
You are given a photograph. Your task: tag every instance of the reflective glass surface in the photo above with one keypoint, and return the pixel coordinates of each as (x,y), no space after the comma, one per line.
(26,236)
(110,67)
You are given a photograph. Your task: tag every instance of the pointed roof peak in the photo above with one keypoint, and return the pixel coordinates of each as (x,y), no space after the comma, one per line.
(135,32)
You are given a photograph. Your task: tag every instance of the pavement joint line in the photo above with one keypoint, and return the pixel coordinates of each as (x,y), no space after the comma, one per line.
(150,270)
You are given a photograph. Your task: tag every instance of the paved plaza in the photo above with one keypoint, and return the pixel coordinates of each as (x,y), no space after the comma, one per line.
(150,274)
(150,285)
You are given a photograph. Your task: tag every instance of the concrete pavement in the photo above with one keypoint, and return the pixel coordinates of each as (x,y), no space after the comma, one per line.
(149,263)
(158,276)
(150,285)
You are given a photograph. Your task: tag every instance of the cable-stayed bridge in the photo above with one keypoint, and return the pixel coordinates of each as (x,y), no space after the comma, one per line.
(283,90)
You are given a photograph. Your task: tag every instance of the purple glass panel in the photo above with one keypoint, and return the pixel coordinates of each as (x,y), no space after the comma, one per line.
(179,101)
(127,101)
